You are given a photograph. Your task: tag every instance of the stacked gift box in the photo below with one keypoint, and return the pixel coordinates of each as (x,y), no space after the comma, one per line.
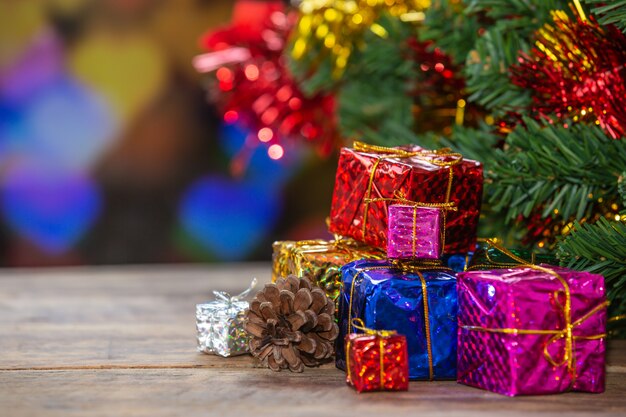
(506,324)
(413,303)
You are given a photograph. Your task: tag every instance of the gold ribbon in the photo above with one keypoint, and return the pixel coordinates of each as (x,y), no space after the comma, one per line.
(381,335)
(425,155)
(616,318)
(410,268)
(319,245)
(566,333)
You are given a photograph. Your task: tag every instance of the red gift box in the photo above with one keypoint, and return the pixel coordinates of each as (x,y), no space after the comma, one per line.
(377,361)
(370,178)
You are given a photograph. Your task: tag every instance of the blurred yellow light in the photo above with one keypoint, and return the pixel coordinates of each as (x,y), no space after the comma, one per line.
(379,30)
(329,41)
(321,31)
(305,25)
(341,62)
(129,70)
(567,228)
(298,49)
(413,17)
(331,15)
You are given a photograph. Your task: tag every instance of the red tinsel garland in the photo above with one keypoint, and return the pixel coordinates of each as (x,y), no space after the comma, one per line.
(577,71)
(254,86)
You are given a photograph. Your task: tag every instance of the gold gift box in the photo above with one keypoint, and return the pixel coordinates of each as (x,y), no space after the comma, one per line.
(319,260)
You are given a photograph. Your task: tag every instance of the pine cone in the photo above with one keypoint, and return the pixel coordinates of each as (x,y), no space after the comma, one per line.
(291,324)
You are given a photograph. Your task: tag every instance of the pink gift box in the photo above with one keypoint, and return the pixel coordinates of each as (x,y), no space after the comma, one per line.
(519,334)
(414,232)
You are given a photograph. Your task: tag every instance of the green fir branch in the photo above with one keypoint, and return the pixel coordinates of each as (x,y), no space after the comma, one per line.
(600,248)
(609,12)
(450,29)
(479,143)
(487,70)
(374,98)
(554,167)
(507,9)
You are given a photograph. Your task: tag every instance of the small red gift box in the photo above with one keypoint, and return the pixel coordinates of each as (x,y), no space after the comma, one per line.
(371,178)
(377,361)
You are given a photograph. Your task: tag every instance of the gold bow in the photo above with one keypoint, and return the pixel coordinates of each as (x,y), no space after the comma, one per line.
(566,333)
(441,157)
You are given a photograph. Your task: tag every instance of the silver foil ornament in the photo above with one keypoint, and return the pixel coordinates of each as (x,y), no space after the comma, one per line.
(220,324)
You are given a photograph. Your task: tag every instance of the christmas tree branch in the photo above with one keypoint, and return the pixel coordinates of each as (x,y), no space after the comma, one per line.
(450,28)
(609,12)
(600,248)
(554,167)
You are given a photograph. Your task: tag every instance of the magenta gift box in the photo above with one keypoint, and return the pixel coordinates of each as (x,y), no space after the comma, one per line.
(513,330)
(414,232)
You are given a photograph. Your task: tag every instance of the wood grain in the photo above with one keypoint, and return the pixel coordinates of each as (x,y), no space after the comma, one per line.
(121,341)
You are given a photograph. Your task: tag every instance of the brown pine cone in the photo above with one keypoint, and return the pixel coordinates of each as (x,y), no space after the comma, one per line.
(291,324)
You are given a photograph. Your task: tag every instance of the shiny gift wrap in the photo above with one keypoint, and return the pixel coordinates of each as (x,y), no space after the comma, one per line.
(368,181)
(387,298)
(377,361)
(414,232)
(532,330)
(319,260)
(219,324)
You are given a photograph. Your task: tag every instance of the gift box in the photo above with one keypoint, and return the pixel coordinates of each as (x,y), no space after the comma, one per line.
(377,361)
(421,305)
(369,179)
(532,330)
(495,257)
(319,260)
(219,324)
(414,232)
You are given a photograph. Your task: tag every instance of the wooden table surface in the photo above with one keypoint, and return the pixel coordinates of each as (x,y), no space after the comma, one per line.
(121,342)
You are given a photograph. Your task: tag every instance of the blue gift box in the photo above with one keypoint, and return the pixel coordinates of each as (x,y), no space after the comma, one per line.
(387,297)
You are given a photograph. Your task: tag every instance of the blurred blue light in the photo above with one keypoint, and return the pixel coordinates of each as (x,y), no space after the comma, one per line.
(228,218)
(51,208)
(66,123)
(13,130)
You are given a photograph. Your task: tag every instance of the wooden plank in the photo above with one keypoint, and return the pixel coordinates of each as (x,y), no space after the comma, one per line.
(121,341)
(259,392)
(112,316)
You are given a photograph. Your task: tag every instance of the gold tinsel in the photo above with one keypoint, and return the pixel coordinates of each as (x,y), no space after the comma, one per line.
(333,28)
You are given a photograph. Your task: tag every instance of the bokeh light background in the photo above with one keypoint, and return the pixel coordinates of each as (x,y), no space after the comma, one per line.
(111,154)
